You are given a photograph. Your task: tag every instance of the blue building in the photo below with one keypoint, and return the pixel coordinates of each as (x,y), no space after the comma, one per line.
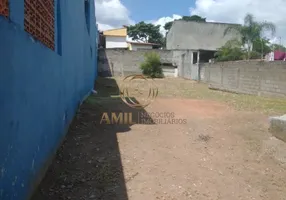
(48,55)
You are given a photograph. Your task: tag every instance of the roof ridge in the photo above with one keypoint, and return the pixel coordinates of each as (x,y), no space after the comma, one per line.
(205,22)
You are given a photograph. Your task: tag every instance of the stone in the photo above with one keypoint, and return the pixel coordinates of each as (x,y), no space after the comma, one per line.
(278,127)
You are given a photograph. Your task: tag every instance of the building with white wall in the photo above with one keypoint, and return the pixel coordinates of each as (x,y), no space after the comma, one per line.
(133,46)
(112,42)
(116,38)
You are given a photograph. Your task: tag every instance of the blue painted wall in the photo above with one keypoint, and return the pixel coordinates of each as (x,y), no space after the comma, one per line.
(40,90)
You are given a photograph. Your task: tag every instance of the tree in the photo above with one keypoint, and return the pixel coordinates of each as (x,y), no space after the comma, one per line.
(278,47)
(168,26)
(230,51)
(261,46)
(145,33)
(195,18)
(251,31)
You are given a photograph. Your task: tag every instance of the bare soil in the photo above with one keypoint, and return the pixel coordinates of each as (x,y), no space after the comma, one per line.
(220,153)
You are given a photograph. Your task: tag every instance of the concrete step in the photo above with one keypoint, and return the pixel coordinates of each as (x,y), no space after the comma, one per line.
(278,127)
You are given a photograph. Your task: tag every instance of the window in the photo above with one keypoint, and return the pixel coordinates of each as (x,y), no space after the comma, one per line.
(86,12)
(39,21)
(4,8)
(195,57)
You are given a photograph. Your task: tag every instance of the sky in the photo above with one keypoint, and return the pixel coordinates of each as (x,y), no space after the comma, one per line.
(116,13)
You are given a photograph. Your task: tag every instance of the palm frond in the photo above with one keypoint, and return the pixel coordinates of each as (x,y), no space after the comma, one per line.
(268,26)
(232,28)
(248,19)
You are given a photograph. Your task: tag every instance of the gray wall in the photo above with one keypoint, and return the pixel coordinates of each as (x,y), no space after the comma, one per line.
(184,61)
(198,35)
(250,77)
(115,62)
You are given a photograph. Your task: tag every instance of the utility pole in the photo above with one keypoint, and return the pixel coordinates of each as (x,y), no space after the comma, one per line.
(261,48)
(281,46)
(280,43)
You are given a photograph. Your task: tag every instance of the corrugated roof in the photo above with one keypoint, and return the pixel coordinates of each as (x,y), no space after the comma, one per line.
(143,43)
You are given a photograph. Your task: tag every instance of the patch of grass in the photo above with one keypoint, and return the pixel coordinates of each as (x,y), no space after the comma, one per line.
(189,89)
(240,101)
(180,88)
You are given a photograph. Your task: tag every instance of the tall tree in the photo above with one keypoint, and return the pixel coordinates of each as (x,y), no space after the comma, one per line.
(195,18)
(168,25)
(144,32)
(261,46)
(251,30)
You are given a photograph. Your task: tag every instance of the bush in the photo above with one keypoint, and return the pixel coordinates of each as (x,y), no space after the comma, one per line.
(230,55)
(230,51)
(151,66)
(255,55)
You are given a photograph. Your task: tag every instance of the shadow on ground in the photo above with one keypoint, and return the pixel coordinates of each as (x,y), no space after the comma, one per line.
(88,164)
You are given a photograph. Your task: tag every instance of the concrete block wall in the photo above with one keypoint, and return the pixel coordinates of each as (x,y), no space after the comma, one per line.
(278,127)
(185,65)
(186,68)
(250,77)
(116,62)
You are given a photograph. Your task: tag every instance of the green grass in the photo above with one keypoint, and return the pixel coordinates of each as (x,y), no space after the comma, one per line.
(179,88)
(265,105)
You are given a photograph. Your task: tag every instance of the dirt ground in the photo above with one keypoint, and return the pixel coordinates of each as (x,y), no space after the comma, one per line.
(218,148)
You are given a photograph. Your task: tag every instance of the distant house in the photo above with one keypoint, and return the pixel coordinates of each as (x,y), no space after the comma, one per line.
(276,55)
(116,38)
(203,38)
(133,46)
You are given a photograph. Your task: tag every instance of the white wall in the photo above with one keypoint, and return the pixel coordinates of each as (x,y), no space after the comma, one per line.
(136,46)
(115,42)
(170,71)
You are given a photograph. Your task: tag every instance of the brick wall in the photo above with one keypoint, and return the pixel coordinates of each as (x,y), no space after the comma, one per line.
(39,21)
(4,8)
(115,62)
(253,77)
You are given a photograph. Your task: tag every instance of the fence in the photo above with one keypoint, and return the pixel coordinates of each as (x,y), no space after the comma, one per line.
(253,77)
(116,62)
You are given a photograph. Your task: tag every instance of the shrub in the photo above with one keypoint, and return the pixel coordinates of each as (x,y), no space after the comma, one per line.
(231,55)
(230,51)
(151,66)
(255,55)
